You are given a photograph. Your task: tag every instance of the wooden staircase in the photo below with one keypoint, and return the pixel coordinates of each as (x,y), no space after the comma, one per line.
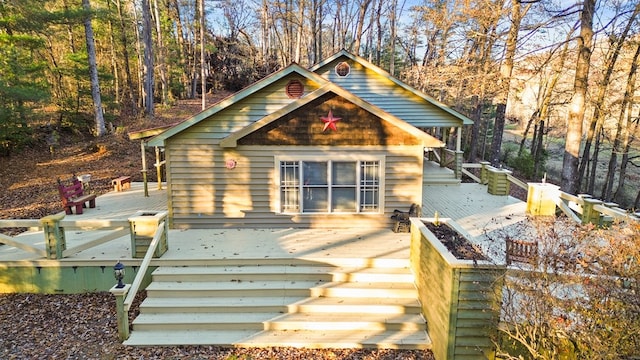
(277,304)
(433,174)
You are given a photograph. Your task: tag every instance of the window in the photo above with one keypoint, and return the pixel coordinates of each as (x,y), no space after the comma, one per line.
(334,186)
(343,69)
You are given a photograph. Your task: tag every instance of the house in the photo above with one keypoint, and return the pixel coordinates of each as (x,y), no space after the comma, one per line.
(338,145)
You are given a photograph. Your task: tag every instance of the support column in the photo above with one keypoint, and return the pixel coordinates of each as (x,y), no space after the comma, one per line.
(144,169)
(158,168)
(122,316)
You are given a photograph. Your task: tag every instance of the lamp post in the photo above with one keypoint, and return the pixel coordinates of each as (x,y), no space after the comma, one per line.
(120,290)
(118,272)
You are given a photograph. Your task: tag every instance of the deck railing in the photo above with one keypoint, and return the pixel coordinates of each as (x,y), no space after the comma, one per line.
(54,230)
(544,198)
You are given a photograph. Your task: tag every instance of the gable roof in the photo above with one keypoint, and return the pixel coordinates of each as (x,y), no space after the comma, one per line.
(427,140)
(325,86)
(366,64)
(242,94)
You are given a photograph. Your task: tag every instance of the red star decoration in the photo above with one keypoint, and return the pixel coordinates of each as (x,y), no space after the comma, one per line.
(330,122)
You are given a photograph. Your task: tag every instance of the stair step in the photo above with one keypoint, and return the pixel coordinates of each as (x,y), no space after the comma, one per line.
(352,303)
(280,288)
(278,321)
(282,272)
(307,339)
(281,305)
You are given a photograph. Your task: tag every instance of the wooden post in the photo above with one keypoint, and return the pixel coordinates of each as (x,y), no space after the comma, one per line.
(121,314)
(498,184)
(484,172)
(443,150)
(158,168)
(541,199)
(144,169)
(55,241)
(458,162)
(589,215)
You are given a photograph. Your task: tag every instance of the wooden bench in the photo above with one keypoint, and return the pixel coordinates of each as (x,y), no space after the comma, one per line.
(73,196)
(121,183)
(522,251)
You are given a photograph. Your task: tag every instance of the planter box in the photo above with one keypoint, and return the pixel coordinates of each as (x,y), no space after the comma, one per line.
(143,225)
(460,298)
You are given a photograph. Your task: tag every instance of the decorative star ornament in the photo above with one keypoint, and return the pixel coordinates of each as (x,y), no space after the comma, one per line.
(330,122)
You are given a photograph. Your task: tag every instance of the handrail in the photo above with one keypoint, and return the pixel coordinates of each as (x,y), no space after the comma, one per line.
(20,223)
(117,233)
(120,228)
(517,182)
(9,241)
(137,281)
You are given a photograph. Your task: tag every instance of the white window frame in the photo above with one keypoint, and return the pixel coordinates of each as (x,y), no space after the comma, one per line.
(358,159)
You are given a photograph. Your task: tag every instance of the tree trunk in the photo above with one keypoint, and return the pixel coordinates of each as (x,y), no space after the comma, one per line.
(476,116)
(203,74)
(148,65)
(505,80)
(570,175)
(362,12)
(93,70)
(130,92)
(622,132)
(162,56)
(597,118)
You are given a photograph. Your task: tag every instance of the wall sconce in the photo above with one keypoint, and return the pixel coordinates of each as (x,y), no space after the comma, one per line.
(118,272)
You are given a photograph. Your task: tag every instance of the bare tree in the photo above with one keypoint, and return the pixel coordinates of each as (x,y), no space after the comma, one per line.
(570,175)
(597,118)
(506,70)
(621,138)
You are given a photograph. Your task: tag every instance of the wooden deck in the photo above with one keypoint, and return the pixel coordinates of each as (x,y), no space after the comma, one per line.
(468,204)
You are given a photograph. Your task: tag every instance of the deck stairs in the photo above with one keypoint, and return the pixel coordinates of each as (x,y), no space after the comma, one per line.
(433,174)
(283,304)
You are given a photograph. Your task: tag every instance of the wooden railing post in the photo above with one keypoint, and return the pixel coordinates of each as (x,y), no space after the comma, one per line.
(54,238)
(589,214)
(122,314)
(541,199)
(498,184)
(458,164)
(484,172)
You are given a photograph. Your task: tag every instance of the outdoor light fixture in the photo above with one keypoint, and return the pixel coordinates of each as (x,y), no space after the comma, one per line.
(118,272)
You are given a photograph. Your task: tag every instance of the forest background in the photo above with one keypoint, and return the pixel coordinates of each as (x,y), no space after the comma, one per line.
(549,74)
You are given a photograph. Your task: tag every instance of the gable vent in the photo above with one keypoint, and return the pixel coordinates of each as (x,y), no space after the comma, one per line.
(294,89)
(343,69)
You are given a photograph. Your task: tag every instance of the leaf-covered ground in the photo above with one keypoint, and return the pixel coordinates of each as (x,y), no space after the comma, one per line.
(83,326)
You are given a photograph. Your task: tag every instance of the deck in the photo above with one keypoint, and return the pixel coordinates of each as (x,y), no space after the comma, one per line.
(468,204)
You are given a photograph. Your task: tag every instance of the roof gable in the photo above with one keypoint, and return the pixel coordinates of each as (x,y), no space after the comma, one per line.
(389,93)
(332,89)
